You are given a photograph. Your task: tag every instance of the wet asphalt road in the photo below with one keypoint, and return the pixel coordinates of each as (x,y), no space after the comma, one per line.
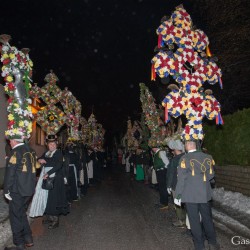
(118,214)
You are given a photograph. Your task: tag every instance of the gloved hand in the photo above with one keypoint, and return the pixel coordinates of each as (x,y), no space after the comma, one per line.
(177,202)
(169,189)
(7,196)
(65,181)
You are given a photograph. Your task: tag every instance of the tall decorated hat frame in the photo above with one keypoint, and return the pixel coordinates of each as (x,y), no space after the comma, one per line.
(62,108)
(72,108)
(95,133)
(16,71)
(184,55)
(51,118)
(152,117)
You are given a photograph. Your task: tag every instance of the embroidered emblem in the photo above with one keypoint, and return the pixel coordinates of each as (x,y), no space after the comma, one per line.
(202,166)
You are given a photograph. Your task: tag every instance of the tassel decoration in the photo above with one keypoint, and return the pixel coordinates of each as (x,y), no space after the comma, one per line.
(204,177)
(153,75)
(208,52)
(166,114)
(211,169)
(220,82)
(219,120)
(192,170)
(24,165)
(183,165)
(38,165)
(13,159)
(33,169)
(159,41)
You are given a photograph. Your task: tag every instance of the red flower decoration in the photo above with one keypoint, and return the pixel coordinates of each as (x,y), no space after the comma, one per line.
(6,61)
(11,86)
(11,123)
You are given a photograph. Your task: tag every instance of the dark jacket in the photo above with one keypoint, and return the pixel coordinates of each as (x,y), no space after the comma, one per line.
(132,159)
(56,203)
(71,157)
(172,171)
(20,174)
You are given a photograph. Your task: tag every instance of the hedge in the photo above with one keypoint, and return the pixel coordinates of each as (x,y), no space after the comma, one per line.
(229,144)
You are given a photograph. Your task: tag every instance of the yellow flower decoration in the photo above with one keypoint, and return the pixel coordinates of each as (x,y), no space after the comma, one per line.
(30,127)
(9,79)
(195,136)
(12,56)
(15,131)
(30,63)
(5,56)
(51,117)
(10,117)
(21,123)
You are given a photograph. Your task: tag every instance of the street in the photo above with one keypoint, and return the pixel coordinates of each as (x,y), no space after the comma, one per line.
(117,214)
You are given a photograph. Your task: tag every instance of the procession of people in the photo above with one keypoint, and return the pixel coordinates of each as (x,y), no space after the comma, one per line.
(185,175)
(158,151)
(68,178)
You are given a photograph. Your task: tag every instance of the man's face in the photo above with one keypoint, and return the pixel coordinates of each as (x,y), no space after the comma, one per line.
(52,146)
(154,150)
(12,143)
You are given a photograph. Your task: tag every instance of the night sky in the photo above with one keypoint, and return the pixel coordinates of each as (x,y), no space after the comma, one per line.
(101,50)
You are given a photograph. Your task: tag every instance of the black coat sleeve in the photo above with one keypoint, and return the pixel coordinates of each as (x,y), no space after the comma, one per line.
(10,171)
(56,162)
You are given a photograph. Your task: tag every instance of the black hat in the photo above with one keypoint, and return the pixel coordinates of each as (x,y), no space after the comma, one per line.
(51,138)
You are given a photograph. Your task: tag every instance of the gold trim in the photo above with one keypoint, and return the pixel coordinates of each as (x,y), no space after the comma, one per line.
(202,166)
(13,159)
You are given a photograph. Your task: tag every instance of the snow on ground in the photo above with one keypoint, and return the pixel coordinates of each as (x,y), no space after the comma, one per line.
(233,200)
(230,223)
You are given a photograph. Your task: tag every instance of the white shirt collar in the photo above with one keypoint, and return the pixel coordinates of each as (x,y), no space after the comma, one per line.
(157,150)
(192,150)
(19,144)
(51,153)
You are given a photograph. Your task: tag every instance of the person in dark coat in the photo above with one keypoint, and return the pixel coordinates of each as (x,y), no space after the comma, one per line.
(160,165)
(146,166)
(132,162)
(57,202)
(19,186)
(84,161)
(177,148)
(72,168)
(100,155)
(140,160)
(193,188)
(93,158)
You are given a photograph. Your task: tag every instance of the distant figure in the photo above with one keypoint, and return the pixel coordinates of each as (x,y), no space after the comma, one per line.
(72,169)
(140,161)
(119,156)
(160,165)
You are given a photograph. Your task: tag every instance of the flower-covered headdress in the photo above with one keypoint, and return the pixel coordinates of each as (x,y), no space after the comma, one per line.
(183,54)
(16,71)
